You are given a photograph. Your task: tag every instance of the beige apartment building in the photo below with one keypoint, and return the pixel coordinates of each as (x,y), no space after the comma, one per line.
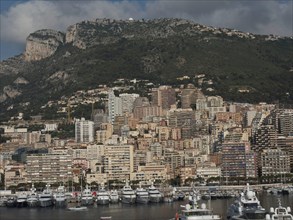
(150,172)
(118,161)
(49,168)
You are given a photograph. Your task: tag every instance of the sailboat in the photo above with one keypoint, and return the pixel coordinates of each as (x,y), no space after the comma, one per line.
(80,206)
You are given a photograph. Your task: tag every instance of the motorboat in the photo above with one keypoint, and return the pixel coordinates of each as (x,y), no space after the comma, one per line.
(32,198)
(78,208)
(46,197)
(142,195)
(179,195)
(279,213)
(193,211)
(105,217)
(60,197)
(103,197)
(21,200)
(154,194)
(87,197)
(114,196)
(128,194)
(246,206)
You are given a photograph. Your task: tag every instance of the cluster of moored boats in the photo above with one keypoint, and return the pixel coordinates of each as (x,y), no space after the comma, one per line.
(246,206)
(61,198)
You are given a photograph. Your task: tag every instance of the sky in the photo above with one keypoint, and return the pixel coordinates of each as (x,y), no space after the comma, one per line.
(19,18)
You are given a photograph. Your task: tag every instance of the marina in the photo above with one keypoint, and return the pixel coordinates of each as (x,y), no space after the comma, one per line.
(155,211)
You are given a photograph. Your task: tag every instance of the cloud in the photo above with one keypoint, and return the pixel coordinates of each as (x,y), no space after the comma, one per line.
(261,17)
(22,19)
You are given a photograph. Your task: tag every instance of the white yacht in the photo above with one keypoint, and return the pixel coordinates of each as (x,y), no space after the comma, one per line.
(192,211)
(280,213)
(32,198)
(87,197)
(46,197)
(103,197)
(60,197)
(154,194)
(114,196)
(128,194)
(142,195)
(21,200)
(246,206)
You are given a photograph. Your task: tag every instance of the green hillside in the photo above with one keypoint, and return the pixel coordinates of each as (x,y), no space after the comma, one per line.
(264,67)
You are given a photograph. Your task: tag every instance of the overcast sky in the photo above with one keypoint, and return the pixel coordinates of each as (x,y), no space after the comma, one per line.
(19,18)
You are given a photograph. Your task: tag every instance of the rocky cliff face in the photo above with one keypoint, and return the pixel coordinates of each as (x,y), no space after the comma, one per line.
(106,31)
(9,92)
(42,44)
(12,66)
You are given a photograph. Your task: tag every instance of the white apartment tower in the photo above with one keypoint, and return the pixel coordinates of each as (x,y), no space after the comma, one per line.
(84,131)
(114,106)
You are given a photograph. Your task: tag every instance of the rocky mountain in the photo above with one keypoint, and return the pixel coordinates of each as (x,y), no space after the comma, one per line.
(239,66)
(42,44)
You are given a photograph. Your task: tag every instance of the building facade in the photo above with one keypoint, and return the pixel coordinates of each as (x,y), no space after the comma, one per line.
(84,131)
(48,168)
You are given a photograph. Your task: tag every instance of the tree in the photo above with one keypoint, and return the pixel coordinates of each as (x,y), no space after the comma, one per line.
(176,181)
(189,181)
(4,139)
(2,181)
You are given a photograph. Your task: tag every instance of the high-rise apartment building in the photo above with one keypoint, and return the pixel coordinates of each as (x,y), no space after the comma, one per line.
(49,168)
(238,160)
(163,96)
(145,112)
(274,162)
(265,137)
(99,117)
(84,131)
(180,117)
(114,106)
(286,123)
(286,144)
(188,97)
(118,161)
(127,101)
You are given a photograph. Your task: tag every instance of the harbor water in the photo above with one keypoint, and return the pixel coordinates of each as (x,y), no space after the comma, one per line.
(161,211)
